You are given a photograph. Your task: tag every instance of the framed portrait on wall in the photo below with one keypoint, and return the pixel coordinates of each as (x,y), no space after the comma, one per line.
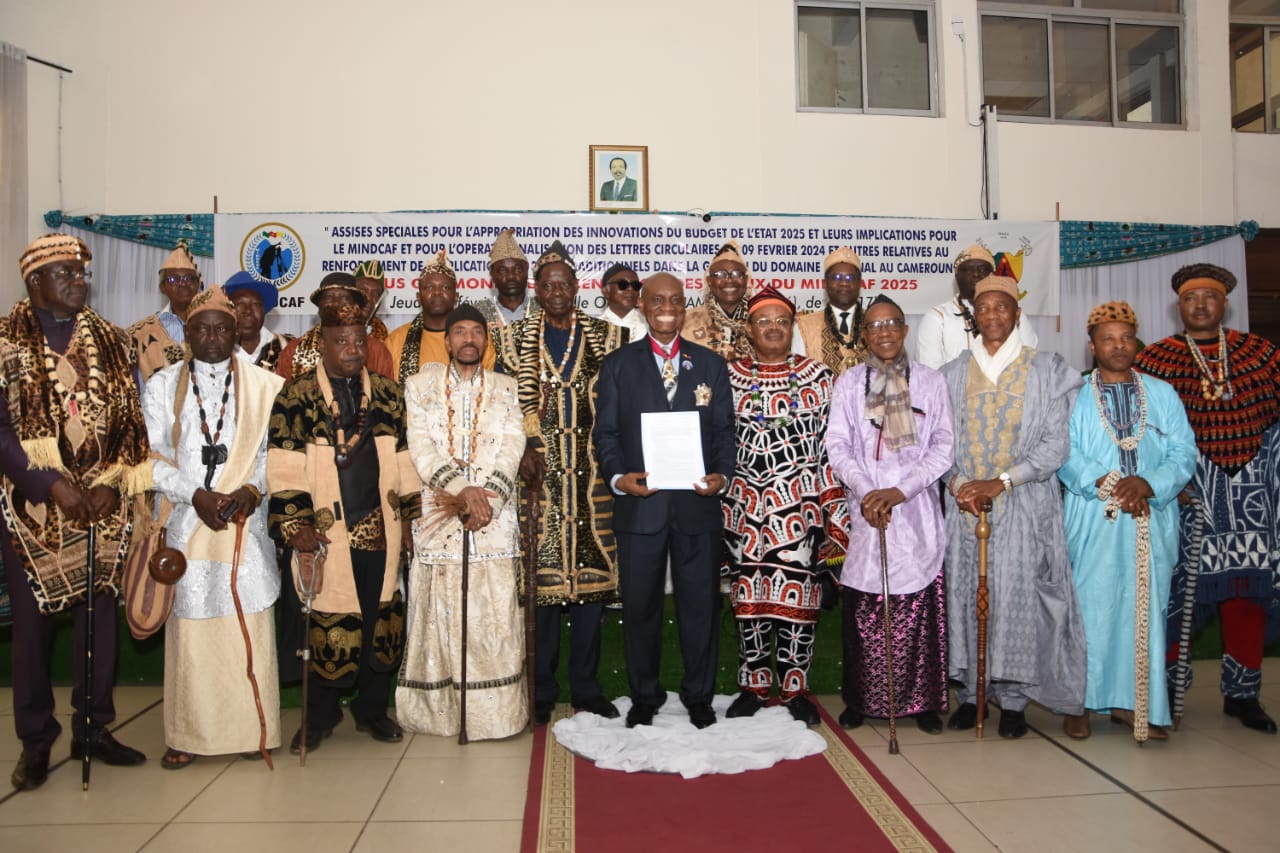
(619,177)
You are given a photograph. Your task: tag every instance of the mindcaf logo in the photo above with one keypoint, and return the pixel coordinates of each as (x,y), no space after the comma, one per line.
(274,253)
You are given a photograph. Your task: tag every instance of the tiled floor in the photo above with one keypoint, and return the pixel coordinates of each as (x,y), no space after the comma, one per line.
(1213,781)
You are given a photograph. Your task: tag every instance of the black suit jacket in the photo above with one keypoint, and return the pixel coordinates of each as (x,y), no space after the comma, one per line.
(628,193)
(629,384)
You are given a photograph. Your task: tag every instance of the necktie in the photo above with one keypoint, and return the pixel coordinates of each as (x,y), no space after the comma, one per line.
(669,357)
(844,322)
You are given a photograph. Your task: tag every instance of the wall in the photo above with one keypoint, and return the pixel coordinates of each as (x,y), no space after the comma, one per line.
(321,105)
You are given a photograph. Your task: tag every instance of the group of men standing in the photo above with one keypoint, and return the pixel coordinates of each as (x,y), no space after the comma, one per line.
(831,461)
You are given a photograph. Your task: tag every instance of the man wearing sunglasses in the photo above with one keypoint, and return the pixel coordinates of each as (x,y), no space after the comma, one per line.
(621,288)
(158,339)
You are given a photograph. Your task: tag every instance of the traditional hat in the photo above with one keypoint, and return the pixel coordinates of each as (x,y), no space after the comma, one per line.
(1194,276)
(506,247)
(337,316)
(50,249)
(614,270)
(730,251)
(439,264)
(999,283)
(556,253)
(842,255)
(369,269)
(1112,312)
(465,311)
(246,281)
(211,299)
(976,252)
(339,281)
(180,259)
(769,296)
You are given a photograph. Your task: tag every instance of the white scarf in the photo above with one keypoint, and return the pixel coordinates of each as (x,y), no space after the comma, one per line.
(992,365)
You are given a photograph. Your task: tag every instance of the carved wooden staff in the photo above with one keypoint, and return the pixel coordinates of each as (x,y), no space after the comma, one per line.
(91,547)
(530,592)
(983,531)
(462,686)
(888,644)
(248,643)
(307,591)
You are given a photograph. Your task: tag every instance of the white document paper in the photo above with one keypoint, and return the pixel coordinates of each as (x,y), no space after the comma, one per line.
(672,445)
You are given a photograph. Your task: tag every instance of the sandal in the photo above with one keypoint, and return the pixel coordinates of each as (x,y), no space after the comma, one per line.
(176,759)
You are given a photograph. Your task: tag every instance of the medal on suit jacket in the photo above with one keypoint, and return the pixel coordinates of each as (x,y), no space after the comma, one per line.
(702,395)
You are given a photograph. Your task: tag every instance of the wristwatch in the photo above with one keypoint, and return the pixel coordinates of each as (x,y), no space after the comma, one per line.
(1007,481)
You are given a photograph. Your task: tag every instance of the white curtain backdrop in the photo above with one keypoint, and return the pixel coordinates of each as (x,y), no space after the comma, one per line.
(126,289)
(13,169)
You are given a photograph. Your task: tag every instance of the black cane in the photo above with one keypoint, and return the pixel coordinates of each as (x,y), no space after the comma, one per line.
(462,699)
(91,547)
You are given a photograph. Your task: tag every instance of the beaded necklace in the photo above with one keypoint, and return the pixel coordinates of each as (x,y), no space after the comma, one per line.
(342,447)
(475,415)
(71,399)
(212,454)
(1110,422)
(970,324)
(1212,388)
(564,359)
(757,398)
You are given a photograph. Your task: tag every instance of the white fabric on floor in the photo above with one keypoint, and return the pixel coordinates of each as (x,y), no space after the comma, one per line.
(673,745)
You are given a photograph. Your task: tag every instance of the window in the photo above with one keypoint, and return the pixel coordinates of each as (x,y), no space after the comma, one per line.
(866,57)
(1099,61)
(1255,65)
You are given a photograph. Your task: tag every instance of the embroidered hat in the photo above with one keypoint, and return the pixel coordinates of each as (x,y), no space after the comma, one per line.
(1194,276)
(730,251)
(842,255)
(1112,312)
(246,281)
(556,253)
(505,248)
(769,296)
(211,299)
(339,281)
(976,252)
(439,264)
(337,316)
(999,283)
(179,259)
(50,249)
(369,269)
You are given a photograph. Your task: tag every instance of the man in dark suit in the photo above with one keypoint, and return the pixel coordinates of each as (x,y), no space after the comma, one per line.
(621,188)
(663,373)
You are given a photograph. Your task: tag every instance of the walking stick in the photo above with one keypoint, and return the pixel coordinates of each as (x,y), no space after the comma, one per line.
(888,644)
(983,531)
(248,644)
(308,590)
(466,571)
(91,547)
(530,593)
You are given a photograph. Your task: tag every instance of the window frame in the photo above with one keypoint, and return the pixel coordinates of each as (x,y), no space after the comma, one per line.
(929,7)
(1270,29)
(1075,14)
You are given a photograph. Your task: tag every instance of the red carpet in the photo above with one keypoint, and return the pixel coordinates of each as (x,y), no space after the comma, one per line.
(834,801)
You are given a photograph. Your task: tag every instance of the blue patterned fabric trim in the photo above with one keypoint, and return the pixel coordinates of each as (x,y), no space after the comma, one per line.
(1238,680)
(161,230)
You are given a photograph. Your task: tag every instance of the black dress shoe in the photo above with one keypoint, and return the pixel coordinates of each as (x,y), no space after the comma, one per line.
(640,715)
(802,709)
(1013,723)
(965,717)
(542,712)
(1250,713)
(381,728)
(701,715)
(108,750)
(314,737)
(32,770)
(930,723)
(850,719)
(745,705)
(597,705)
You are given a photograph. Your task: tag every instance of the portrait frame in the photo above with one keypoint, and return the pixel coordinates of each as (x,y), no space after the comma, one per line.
(601,182)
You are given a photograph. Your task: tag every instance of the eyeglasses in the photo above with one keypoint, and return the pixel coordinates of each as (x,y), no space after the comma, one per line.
(181,279)
(891,325)
(766,322)
(67,275)
(726,275)
(625,284)
(845,277)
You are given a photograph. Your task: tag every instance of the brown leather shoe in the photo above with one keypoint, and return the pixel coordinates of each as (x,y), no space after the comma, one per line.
(1076,725)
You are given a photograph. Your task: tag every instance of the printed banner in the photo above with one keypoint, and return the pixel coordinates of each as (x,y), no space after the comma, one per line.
(908,259)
